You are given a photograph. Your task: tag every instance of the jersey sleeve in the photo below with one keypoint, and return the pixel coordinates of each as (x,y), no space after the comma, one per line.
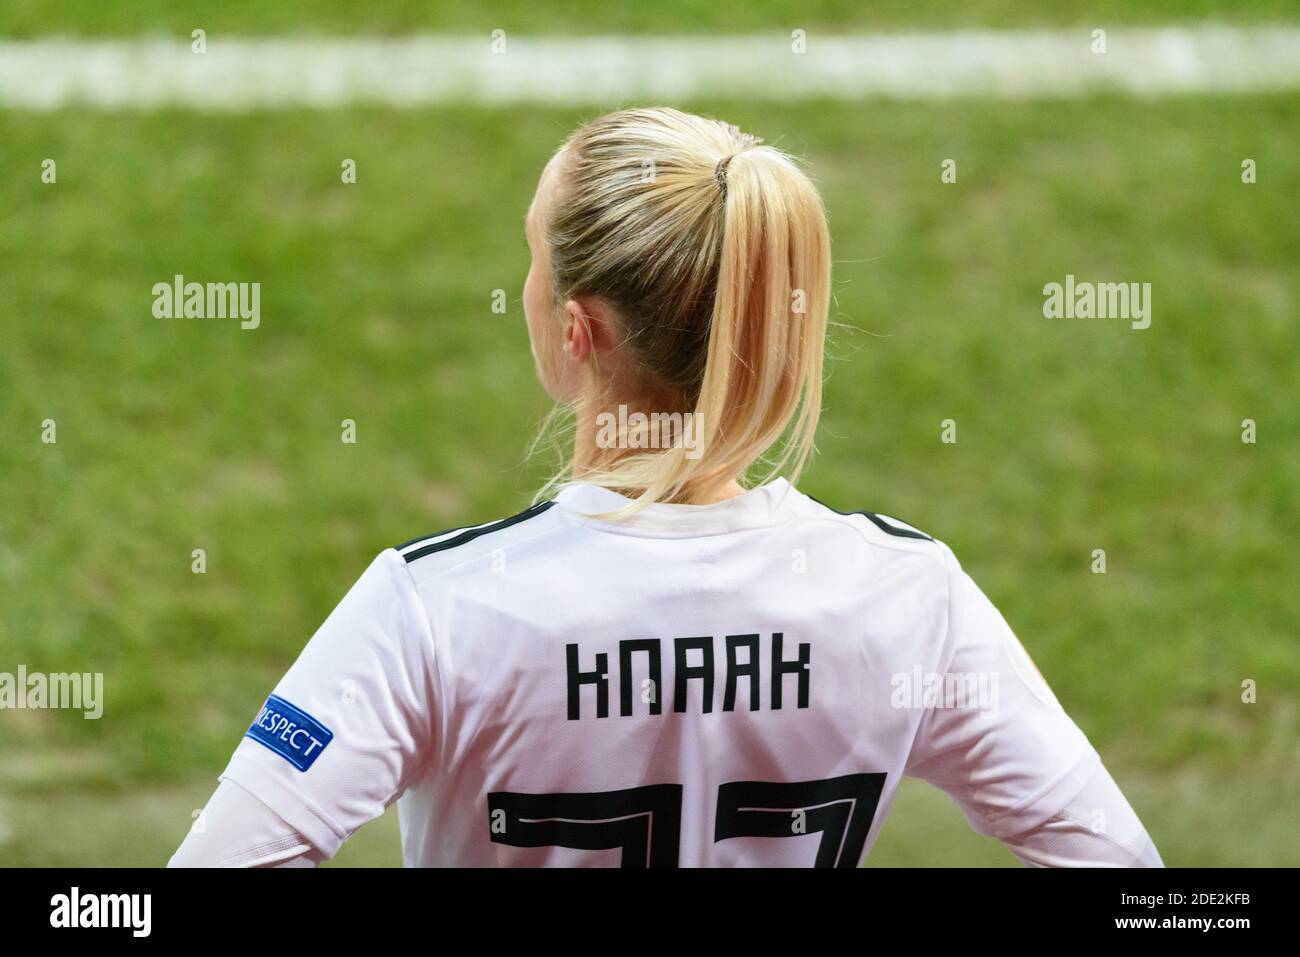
(1013,758)
(350,724)
(1096,829)
(235,829)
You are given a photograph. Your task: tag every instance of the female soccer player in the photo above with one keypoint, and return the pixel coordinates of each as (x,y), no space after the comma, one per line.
(656,665)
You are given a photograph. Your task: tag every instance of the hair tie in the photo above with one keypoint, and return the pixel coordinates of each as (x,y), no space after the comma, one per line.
(720,173)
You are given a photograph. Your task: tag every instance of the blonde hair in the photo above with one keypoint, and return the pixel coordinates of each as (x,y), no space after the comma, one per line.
(714,253)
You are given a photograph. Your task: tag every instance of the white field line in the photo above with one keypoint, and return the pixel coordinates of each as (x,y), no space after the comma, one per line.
(245,73)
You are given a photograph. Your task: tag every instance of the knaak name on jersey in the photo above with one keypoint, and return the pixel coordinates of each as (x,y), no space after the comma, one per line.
(696,662)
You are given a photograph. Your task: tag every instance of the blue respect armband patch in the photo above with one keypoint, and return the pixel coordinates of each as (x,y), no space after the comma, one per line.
(290,732)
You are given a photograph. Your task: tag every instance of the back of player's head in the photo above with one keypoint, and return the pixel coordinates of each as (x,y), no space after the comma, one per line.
(712,250)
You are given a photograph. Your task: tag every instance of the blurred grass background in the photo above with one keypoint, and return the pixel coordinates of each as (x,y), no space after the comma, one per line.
(38,18)
(376,306)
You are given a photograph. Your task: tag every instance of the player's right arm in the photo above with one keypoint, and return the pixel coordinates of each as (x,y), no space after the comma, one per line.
(1021,770)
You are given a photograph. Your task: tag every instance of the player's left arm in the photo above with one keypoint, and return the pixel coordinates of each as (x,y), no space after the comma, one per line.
(342,735)
(235,829)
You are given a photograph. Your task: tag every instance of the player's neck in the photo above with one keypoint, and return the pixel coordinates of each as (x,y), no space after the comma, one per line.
(604,437)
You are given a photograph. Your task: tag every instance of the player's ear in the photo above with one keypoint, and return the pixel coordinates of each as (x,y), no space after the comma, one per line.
(589,328)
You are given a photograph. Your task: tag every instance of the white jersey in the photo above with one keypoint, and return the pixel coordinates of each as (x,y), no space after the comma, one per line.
(739,683)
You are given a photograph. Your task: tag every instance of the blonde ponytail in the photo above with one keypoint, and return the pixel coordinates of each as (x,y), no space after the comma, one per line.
(714,253)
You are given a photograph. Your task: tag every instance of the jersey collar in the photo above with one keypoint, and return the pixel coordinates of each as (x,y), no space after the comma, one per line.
(755,508)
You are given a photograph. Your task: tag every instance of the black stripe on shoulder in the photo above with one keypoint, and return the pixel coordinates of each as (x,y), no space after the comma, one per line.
(425,538)
(473,533)
(884,526)
(880,523)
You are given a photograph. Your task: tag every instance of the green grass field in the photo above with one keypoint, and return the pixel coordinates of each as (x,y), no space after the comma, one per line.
(90,18)
(1072,435)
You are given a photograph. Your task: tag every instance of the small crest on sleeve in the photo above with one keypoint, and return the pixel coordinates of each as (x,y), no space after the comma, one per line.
(1027,671)
(290,732)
